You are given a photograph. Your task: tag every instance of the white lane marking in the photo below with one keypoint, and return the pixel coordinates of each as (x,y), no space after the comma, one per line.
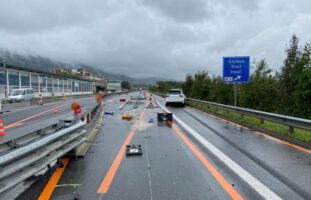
(264,191)
(148,162)
(123,105)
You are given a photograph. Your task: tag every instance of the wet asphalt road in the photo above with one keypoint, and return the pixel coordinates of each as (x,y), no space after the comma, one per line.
(169,169)
(21,121)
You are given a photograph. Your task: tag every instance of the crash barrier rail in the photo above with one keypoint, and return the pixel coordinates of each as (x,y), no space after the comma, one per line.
(33,153)
(49,99)
(291,122)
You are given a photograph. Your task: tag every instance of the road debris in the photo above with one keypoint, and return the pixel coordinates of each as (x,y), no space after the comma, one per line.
(133,150)
(69,185)
(165,116)
(108,113)
(127,116)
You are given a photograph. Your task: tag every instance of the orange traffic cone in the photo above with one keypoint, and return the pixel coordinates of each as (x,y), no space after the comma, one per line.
(1,128)
(55,109)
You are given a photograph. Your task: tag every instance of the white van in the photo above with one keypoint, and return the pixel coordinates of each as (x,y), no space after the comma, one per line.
(25,94)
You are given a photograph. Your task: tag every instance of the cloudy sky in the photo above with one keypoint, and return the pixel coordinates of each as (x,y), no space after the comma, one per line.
(164,38)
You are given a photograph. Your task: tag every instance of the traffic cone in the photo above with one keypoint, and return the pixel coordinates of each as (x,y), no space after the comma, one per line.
(55,109)
(1,128)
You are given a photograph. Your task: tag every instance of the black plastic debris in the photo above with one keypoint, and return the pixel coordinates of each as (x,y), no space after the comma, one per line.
(165,117)
(133,150)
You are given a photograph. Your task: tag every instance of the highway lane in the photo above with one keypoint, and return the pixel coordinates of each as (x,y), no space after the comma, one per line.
(176,166)
(20,114)
(26,120)
(132,180)
(282,168)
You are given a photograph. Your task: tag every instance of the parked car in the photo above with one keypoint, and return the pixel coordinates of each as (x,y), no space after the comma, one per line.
(18,95)
(175,97)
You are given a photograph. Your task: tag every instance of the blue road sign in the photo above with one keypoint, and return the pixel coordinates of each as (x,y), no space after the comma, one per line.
(236,69)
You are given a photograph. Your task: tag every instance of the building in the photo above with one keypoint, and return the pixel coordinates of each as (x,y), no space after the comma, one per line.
(47,84)
(69,71)
(99,81)
(114,86)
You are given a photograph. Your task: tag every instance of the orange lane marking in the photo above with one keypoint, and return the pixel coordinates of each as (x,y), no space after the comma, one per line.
(50,186)
(284,142)
(221,180)
(27,118)
(15,124)
(30,117)
(104,186)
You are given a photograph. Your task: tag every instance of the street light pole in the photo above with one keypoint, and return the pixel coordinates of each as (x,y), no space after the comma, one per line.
(3,63)
(7,77)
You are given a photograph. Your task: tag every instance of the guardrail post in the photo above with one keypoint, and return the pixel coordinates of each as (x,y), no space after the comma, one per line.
(262,121)
(13,144)
(290,129)
(242,116)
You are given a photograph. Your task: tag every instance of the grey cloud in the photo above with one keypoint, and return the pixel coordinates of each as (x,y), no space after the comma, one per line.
(181,10)
(35,15)
(144,38)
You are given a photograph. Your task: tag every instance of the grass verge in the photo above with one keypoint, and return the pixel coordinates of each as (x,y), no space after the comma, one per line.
(299,134)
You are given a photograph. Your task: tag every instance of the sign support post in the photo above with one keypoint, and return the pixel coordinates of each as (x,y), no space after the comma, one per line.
(235,95)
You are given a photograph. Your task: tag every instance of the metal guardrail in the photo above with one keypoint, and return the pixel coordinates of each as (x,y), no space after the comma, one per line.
(23,157)
(35,152)
(291,122)
(21,163)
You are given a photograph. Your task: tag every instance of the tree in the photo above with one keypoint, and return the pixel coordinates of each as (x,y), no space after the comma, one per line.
(187,85)
(126,85)
(302,87)
(221,92)
(260,92)
(201,85)
(287,77)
